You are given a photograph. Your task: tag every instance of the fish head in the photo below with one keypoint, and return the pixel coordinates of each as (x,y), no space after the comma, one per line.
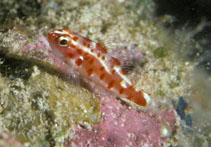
(60,41)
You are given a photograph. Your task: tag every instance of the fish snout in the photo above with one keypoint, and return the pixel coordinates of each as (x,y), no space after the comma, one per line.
(51,36)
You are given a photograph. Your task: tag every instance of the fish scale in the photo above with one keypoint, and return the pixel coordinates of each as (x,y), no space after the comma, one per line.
(91,60)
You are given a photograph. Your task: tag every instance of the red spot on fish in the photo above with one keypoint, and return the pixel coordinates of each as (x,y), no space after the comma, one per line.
(115,61)
(101,48)
(111,84)
(75,39)
(132,87)
(89,71)
(102,76)
(84,43)
(86,56)
(70,55)
(79,51)
(78,61)
(88,45)
(121,91)
(103,57)
(123,72)
(87,40)
(72,46)
(102,68)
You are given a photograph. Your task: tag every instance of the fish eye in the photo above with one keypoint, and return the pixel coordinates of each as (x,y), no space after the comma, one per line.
(64,41)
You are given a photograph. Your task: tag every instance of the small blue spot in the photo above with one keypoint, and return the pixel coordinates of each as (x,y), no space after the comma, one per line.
(188,120)
(182,104)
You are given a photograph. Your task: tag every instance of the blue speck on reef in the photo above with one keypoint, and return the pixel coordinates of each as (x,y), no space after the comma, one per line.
(188,120)
(182,105)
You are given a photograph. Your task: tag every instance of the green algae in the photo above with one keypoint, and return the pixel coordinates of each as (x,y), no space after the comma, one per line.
(44,108)
(160,92)
(198,142)
(203,138)
(67,100)
(160,52)
(173,84)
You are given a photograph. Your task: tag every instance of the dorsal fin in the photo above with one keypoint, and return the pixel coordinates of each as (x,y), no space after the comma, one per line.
(95,46)
(101,48)
(115,61)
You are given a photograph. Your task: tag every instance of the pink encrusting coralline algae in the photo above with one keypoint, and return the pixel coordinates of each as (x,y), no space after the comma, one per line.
(122,127)
(90,59)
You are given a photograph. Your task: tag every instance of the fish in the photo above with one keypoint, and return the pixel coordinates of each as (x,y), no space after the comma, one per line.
(91,60)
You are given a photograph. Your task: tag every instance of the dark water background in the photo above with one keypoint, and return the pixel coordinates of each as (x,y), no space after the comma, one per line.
(189,14)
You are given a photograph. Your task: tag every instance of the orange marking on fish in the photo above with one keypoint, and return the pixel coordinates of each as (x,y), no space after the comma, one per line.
(115,61)
(123,72)
(86,56)
(87,40)
(84,43)
(91,57)
(132,87)
(70,55)
(78,61)
(102,68)
(89,72)
(102,76)
(88,45)
(101,48)
(75,38)
(121,91)
(79,51)
(111,84)
(72,46)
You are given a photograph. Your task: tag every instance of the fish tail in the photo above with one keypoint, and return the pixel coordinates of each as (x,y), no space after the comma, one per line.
(139,97)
